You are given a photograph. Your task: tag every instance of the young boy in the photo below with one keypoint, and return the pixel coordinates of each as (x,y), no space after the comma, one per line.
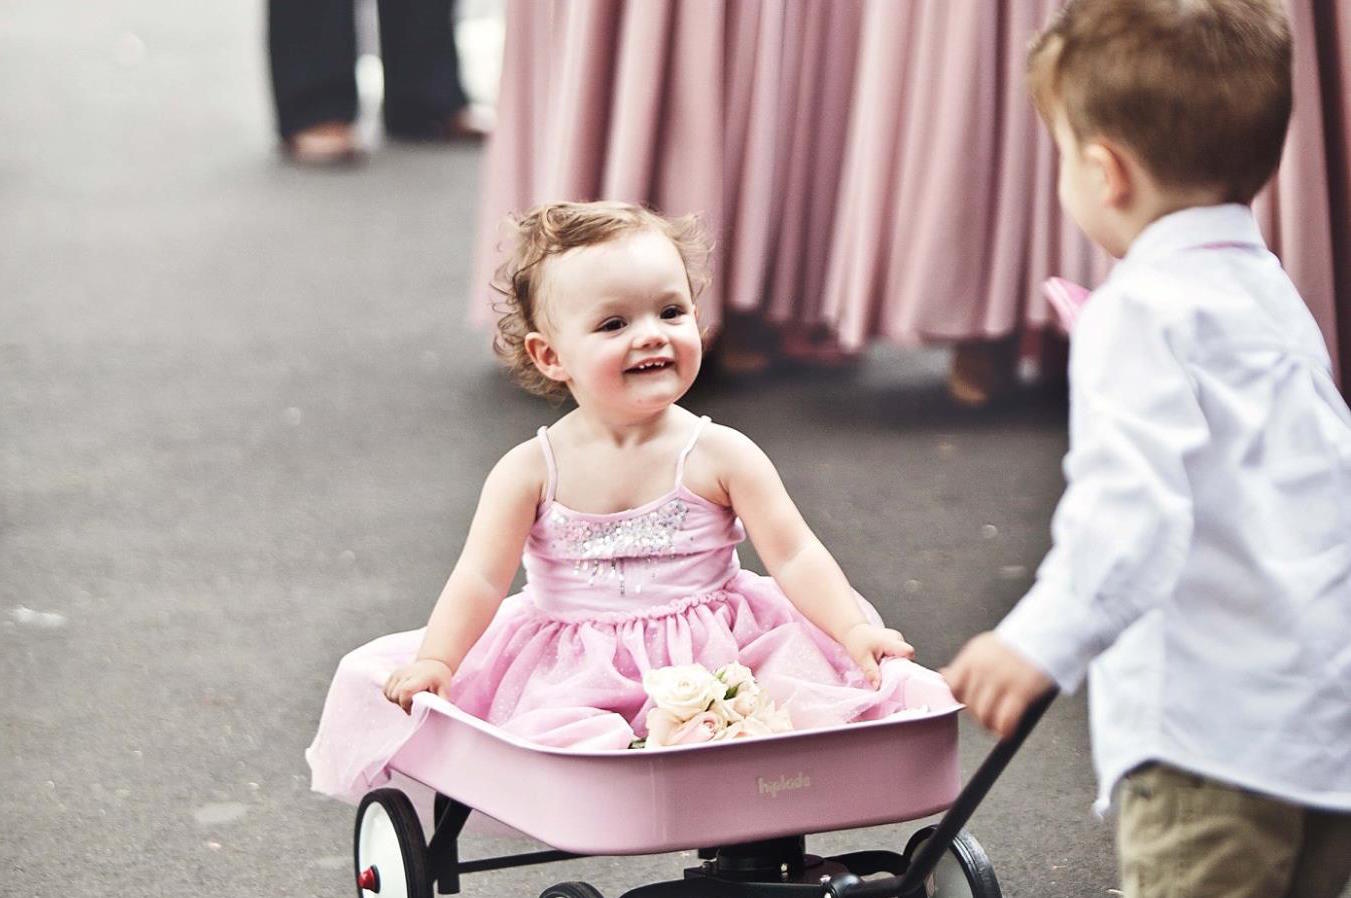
(1202,549)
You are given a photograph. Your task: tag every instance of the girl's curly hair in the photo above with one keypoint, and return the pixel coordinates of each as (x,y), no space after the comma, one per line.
(555,228)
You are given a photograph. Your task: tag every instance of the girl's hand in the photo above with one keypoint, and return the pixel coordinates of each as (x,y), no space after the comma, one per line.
(868,644)
(423,675)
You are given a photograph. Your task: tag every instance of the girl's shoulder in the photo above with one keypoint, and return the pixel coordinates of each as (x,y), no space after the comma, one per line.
(522,473)
(721,455)
(727,445)
(722,442)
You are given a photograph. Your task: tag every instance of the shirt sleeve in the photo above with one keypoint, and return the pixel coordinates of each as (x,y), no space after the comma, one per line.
(1122,529)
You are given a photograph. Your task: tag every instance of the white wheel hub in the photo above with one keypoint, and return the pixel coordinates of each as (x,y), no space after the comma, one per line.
(378,847)
(948,879)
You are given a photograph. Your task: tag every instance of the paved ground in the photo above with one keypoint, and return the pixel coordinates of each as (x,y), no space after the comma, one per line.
(242,426)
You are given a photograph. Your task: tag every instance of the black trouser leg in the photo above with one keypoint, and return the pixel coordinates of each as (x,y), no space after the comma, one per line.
(312,47)
(422,70)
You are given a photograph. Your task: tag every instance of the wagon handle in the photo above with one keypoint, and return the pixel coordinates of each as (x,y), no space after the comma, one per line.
(931,849)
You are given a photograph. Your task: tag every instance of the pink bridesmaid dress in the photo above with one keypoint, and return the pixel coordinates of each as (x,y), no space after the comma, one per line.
(869,169)
(607,597)
(1305,212)
(605,100)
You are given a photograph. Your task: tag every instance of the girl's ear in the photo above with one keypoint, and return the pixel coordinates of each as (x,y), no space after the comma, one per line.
(1113,170)
(705,330)
(544,356)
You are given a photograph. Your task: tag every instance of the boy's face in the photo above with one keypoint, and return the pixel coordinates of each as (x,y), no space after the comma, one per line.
(1085,188)
(619,324)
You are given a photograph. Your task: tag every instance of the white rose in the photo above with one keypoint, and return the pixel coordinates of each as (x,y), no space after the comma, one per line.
(735,676)
(721,708)
(684,690)
(766,721)
(743,729)
(775,719)
(744,704)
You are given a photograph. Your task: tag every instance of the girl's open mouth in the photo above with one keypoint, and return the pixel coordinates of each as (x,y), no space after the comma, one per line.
(650,366)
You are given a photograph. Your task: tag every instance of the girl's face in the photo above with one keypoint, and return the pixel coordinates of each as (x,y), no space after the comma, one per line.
(618,324)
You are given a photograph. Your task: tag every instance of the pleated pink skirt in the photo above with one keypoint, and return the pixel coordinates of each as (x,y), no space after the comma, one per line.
(869,169)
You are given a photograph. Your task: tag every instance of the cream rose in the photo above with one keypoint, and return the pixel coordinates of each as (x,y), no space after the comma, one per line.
(766,721)
(684,690)
(776,719)
(736,676)
(744,704)
(743,729)
(664,729)
(660,725)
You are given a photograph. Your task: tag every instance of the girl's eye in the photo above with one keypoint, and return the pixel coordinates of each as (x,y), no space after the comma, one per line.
(611,324)
(672,312)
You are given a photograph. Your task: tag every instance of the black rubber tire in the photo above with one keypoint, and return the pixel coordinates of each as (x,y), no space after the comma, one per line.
(969,857)
(412,845)
(571,890)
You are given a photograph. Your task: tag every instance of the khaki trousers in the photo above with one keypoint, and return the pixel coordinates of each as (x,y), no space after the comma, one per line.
(1186,836)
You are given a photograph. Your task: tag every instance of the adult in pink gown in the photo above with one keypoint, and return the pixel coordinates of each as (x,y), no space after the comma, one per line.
(868,169)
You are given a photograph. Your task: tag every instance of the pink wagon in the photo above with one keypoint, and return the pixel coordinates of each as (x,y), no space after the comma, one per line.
(754,799)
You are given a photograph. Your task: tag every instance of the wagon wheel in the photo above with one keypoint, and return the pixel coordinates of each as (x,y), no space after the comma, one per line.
(964,870)
(571,890)
(389,850)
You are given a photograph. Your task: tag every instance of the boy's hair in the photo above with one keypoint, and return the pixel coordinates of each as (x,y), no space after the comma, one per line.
(555,228)
(1198,89)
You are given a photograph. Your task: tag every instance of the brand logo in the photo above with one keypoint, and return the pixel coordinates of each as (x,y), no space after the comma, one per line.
(785,783)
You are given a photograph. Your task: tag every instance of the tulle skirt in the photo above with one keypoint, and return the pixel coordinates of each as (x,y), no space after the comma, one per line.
(576,682)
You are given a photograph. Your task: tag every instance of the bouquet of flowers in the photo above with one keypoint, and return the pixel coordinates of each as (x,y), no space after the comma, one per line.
(693,705)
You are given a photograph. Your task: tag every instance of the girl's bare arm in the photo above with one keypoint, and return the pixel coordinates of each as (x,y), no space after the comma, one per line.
(489,560)
(480,578)
(795,558)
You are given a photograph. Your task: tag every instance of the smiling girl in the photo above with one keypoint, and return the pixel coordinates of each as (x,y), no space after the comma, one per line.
(626,514)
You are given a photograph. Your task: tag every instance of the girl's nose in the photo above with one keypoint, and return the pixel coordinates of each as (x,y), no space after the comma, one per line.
(647,334)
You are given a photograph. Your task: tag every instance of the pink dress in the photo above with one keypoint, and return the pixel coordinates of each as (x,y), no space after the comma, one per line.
(607,597)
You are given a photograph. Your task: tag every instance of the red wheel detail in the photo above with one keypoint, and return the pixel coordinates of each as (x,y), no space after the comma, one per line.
(369,879)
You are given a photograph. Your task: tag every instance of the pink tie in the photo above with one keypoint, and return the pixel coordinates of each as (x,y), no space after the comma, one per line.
(1067,298)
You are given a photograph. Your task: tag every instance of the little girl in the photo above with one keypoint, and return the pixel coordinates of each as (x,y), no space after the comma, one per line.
(626,514)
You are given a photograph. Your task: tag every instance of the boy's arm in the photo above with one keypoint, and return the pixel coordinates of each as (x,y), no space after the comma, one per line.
(1123,527)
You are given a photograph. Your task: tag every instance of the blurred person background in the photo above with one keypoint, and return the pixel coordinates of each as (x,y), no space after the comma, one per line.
(312,49)
(872,170)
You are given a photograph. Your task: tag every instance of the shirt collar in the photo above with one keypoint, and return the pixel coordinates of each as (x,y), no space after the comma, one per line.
(1228,225)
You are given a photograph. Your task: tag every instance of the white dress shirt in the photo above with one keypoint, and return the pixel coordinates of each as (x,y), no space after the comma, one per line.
(1201,568)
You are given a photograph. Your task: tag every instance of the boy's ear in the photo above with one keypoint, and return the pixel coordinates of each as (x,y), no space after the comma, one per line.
(1115,174)
(544,356)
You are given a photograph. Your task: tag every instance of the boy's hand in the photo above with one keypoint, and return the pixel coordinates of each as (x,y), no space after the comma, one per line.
(995,682)
(423,675)
(867,644)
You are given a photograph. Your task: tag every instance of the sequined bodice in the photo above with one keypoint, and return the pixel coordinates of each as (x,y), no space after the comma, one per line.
(676,547)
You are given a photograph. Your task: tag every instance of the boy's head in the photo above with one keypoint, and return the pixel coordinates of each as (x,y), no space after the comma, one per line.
(1162,104)
(597,296)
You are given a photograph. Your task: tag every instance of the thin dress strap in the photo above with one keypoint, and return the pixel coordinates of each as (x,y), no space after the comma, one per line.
(684,453)
(549,463)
